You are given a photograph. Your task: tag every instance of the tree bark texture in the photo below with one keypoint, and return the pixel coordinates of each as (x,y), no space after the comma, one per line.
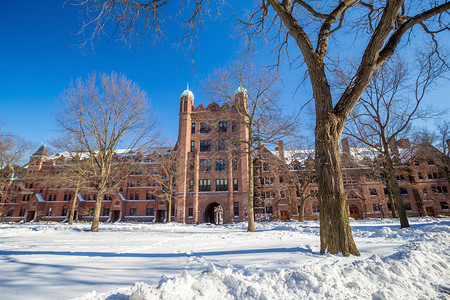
(335,232)
(391,196)
(396,193)
(74,205)
(97,210)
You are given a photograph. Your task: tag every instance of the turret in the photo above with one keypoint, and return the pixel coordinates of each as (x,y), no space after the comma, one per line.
(241,98)
(186,101)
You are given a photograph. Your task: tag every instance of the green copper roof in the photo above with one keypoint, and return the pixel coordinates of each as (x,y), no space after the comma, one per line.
(187,92)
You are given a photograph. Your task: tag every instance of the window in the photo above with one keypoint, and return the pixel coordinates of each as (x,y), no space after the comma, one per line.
(205,146)
(313,193)
(131,196)
(235,164)
(236,209)
(138,183)
(221,145)
(204,185)
(444,205)
(269,210)
(221,185)
(235,185)
(204,128)
(408,206)
(265,167)
(106,211)
(416,163)
(192,146)
(420,176)
(282,195)
(190,212)
(400,178)
(386,193)
(430,162)
(315,208)
(132,184)
(193,128)
(133,211)
(221,165)
(373,192)
(22,212)
(10,212)
(136,196)
(376,207)
(153,197)
(439,190)
(222,127)
(403,191)
(233,126)
(149,211)
(205,165)
(147,197)
(389,206)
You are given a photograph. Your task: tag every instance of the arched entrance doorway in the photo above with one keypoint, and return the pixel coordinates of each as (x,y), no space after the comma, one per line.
(31,214)
(214,213)
(354,212)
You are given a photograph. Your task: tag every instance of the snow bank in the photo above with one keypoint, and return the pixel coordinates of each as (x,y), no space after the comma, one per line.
(417,270)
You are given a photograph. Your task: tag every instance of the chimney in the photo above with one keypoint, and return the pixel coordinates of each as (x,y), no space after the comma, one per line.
(394,147)
(281,149)
(404,143)
(345,146)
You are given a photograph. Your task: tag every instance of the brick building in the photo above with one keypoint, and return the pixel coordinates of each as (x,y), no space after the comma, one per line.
(212,181)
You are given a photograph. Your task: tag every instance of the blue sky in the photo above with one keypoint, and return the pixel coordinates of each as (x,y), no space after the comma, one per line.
(37,62)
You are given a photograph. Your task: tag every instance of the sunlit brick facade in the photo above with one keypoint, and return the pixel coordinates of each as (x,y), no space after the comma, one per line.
(212,180)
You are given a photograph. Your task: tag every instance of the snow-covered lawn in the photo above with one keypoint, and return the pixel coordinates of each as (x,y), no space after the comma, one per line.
(174,261)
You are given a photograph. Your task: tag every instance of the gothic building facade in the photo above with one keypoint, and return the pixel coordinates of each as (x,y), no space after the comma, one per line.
(211,183)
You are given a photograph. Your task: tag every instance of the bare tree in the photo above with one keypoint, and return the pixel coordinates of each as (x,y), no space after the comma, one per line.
(300,172)
(13,149)
(380,25)
(109,116)
(437,147)
(257,108)
(76,170)
(385,114)
(166,158)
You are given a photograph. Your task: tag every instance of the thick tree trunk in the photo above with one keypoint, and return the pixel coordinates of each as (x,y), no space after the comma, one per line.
(396,191)
(250,206)
(97,210)
(335,232)
(74,205)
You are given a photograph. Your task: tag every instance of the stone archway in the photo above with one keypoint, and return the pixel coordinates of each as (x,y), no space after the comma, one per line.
(214,213)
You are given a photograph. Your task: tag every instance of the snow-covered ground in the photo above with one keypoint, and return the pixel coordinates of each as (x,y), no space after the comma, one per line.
(174,261)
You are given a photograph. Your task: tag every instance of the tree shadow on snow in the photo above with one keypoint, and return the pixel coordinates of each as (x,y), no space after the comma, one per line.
(159,255)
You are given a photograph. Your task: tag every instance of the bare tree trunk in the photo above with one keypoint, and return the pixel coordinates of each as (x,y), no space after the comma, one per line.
(396,191)
(250,206)
(301,213)
(169,213)
(74,204)
(335,232)
(97,210)
(417,197)
(390,196)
